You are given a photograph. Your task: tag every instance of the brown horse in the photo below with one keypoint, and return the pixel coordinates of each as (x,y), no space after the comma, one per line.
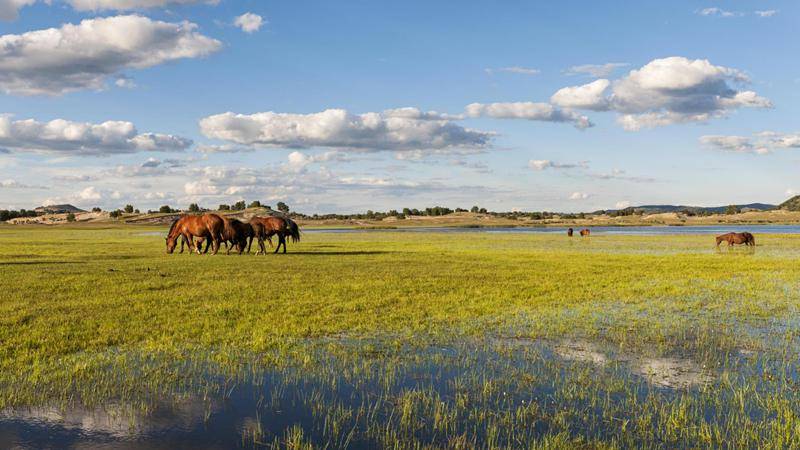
(569,232)
(585,232)
(266,227)
(737,238)
(236,233)
(207,226)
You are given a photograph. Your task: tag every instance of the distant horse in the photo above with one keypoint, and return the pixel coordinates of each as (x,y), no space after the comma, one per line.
(207,226)
(737,238)
(266,227)
(569,232)
(585,232)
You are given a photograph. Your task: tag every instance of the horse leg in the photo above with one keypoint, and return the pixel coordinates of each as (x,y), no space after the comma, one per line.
(262,248)
(249,244)
(283,239)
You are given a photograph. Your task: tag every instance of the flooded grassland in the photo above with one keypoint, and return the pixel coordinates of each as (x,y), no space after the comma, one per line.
(405,340)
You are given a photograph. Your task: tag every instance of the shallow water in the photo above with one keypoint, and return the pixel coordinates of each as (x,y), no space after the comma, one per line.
(504,392)
(632,231)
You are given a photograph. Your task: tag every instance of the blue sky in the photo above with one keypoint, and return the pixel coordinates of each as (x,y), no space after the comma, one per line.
(685,102)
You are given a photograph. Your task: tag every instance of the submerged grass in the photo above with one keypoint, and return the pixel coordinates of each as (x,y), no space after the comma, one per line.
(406,340)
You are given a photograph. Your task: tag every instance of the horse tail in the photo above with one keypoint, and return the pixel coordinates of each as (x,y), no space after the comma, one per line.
(294,230)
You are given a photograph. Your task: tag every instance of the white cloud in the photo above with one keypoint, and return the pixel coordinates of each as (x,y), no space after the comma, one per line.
(666,91)
(544,112)
(542,164)
(515,69)
(126,5)
(90,193)
(595,70)
(399,129)
(622,204)
(579,196)
(718,12)
(84,56)
(125,83)
(249,22)
(9,9)
(761,144)
(767,13)
(589,96)
(80,138)
(196,188)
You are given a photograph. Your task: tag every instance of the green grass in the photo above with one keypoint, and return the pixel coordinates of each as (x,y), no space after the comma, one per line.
(92,314)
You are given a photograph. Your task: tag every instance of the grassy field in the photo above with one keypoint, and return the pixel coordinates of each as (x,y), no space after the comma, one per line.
(408,339)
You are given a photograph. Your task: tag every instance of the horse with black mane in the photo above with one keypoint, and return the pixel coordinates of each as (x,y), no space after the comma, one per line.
(737,239)
(207,226)
(585,232)
(266,227)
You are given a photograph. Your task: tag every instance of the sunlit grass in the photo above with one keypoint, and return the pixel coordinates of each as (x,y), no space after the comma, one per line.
(90,315)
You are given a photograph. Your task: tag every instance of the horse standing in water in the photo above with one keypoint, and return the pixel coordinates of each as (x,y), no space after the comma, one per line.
(266,227)
(207,226)
(737,238)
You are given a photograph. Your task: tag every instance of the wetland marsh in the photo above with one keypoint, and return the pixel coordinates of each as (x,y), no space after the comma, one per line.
(402,340)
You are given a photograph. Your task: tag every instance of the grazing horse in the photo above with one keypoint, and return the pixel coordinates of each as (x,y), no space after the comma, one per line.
(569,232)
(207,226)
(585,232)
(266,227)
(237,233)
(737,238)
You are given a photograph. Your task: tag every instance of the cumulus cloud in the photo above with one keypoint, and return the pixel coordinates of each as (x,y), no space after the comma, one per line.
(595,70)
(249,22)
(622,204)
(543,164)
(298,161)
(589,96)
(665,91)
(397,129)
(761,143)
(9,9)
(14,184)
(544,112)
(84,56)
(80,138)
(619,174)
(578,196)
(515,69)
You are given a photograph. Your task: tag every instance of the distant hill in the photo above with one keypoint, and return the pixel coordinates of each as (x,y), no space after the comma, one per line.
(58,209)
(793,204)
(658,209)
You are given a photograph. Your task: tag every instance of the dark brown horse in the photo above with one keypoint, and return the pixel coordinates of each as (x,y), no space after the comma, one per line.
(266,227)
(207,226)
(237,234)
(585,232)
(569,232)
(737,238)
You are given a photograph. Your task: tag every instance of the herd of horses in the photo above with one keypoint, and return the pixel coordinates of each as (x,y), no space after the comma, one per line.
(744,238)
(216,230)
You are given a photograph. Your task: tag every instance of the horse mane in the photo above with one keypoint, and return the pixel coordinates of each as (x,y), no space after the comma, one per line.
(172,226)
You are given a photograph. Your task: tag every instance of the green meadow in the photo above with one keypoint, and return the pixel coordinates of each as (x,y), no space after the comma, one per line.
(413,340)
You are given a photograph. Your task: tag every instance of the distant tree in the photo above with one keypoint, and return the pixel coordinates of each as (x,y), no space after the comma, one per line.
(393,213)
(240,205)
(255,204)
(474,209)
(267,207)
(194,207)
(283,207)
(96,209)
(224,207)
(460,210)
(136,211)
(115,214)
(71,217)
(128,209)
(165,209)
(406,211)
(482,211)
(732,209)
